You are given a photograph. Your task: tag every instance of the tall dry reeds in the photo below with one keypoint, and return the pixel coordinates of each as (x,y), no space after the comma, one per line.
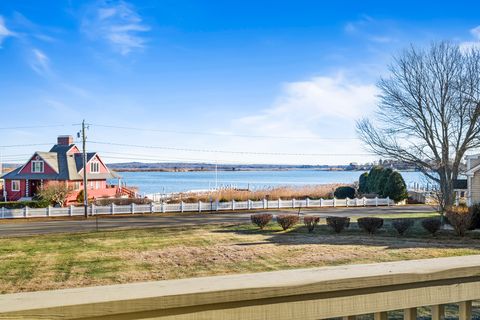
(285,193)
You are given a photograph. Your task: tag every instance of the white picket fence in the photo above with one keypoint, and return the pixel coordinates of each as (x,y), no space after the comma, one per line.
(191,207)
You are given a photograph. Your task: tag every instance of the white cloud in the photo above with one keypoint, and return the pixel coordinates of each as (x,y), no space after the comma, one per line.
(39,62)
(4,31)
(116,23)
(476,32)
(379,31)
(475,44)
(314,101)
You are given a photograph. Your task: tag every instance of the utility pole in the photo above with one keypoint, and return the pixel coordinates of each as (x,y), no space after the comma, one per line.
(85,181)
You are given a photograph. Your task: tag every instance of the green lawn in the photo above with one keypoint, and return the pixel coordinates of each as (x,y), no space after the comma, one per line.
(109,257)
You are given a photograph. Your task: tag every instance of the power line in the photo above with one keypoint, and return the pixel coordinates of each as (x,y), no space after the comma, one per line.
(26,145)
(35,127)
(231,152)
(220,134)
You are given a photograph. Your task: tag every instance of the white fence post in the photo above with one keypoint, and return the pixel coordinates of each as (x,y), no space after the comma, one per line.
(199,206)
(3,212)
(132,208)
(249,204)
(181,206)
(388,201)
(70,210)
(112,208)
(48,211)
(163,207)
(264,204)
(293,203)
(152,207)
(307,202)
(364,201)
(334,201)
(321,202)
(93,209)
(376,201)
(25,211)
(346,202)
(233,204)
(216,205)
(279,203)
(356,202)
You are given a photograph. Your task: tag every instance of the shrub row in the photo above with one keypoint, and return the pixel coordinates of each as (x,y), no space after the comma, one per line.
(458,219)
(23,204)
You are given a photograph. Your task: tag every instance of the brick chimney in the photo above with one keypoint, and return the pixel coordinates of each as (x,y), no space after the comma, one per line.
(65,140)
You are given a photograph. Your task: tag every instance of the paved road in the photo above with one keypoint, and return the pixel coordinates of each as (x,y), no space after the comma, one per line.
(17,228)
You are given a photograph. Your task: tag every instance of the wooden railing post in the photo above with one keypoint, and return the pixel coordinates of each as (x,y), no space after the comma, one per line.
(465,310)
(380,316)
(410,314)
(438,312)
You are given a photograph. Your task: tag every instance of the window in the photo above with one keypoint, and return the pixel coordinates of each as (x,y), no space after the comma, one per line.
(97,184)
(94,167)
(15,185)
(76,186)
(37,166)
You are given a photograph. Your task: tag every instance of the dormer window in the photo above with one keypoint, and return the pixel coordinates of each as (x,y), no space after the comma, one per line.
(94,167)
(37,166)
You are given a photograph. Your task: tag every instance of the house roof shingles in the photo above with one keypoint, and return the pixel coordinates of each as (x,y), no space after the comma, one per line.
(66,166)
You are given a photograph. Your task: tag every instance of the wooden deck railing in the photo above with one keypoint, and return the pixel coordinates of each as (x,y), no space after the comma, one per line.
(305,294)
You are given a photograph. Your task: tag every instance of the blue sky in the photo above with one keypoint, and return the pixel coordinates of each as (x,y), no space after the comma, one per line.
(200,76)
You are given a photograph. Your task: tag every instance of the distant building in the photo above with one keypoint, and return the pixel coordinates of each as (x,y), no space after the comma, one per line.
(62,164)
(473,179)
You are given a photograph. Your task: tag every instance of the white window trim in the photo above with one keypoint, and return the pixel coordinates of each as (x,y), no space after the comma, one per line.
(97,165)
(13,183)
(38,161)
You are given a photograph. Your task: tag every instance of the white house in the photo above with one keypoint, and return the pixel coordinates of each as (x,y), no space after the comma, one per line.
(473,179)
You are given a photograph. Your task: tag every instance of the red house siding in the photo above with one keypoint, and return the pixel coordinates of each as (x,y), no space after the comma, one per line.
(15,195)
(46,168)
(102,167)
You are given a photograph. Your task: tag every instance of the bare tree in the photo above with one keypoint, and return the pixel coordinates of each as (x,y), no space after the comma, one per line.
(428,114)
(56,193)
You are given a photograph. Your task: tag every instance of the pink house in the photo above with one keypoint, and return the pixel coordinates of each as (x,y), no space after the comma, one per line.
(62,164)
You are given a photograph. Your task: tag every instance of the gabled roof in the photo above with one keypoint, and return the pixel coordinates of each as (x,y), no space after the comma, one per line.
(67,166)
(473,170)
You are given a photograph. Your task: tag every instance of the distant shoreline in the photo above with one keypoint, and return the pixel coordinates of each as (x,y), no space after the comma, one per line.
(240,169)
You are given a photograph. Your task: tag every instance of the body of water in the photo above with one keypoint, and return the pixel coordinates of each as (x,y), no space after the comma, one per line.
(168,182)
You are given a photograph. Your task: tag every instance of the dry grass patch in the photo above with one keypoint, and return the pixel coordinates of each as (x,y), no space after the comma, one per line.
(63,261)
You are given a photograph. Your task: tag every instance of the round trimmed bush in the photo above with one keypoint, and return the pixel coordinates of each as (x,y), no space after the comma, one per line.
(338,224)
(344,192)
(311,222)
(432,225)
(370,224)
(261,219)
(287,221)
(402,225)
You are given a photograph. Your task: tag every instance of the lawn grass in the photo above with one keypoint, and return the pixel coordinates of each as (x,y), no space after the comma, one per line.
(109,257)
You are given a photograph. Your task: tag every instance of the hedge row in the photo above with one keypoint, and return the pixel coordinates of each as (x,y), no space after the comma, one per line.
(369,224)
(23,204)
